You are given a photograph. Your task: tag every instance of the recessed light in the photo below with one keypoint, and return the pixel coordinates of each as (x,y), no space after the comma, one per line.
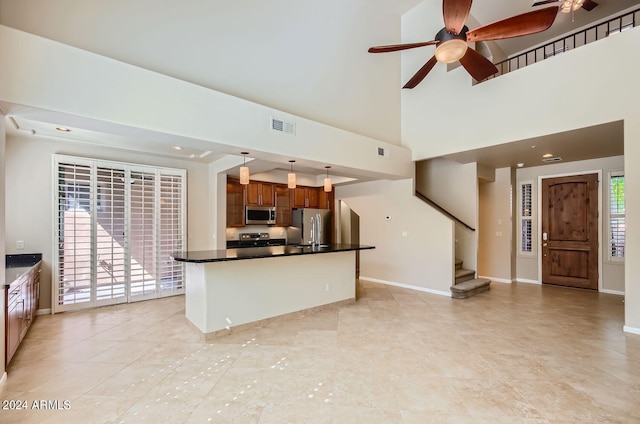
(533,147)
(520,165)
(63,129)
(177,147)
(547,155)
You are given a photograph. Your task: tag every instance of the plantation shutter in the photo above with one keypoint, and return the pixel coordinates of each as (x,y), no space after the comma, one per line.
(74,227)
(117,226)
(172,205)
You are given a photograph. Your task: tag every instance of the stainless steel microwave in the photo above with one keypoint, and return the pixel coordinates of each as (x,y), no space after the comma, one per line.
(261,215)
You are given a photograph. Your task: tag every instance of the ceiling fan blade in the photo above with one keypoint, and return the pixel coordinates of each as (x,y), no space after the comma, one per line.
(422,72)
(589,5)
(396,47)
(516,26)
(477,65)
(455,13)
(540,3)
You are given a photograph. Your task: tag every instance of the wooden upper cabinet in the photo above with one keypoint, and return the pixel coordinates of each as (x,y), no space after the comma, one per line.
(306,197)
(283,206)
(260,194)
(235,203)
(326,199)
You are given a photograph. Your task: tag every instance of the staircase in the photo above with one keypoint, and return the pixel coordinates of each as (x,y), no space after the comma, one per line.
(466,285)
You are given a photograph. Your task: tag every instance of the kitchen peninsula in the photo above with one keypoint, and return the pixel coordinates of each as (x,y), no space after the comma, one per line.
(236,288)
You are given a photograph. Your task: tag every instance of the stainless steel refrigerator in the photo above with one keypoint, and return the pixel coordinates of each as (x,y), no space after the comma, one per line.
(310,226)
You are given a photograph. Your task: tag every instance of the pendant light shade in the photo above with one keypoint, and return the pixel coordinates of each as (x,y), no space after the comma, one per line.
(327,181)
(244,170)
(291,177)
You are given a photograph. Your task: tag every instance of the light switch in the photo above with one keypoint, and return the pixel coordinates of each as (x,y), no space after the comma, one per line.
(404,234)
(20,244)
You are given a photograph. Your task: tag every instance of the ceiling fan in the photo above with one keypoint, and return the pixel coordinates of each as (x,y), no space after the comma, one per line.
(452,41)
(570,5)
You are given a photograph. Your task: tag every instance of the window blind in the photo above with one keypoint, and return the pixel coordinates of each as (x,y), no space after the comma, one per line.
(117,225)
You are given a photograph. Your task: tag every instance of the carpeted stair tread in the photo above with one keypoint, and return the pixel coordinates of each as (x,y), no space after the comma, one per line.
(470,288)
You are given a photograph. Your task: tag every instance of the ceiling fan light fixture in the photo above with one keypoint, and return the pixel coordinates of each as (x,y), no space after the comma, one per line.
(571,5)
(451,50)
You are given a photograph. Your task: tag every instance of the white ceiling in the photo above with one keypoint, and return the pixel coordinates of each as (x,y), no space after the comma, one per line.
(484,11)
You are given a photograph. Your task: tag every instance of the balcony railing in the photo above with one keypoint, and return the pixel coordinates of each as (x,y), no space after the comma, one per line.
(597,32)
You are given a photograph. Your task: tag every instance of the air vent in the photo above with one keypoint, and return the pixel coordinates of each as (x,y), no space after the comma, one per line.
(282,126)
(555,159)
(384,153)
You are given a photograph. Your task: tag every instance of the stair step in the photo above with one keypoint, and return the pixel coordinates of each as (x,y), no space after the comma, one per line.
(464,275)
(458,264)
(470,288)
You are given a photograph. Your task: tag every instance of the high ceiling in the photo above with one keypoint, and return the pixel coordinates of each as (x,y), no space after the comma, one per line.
(170,49)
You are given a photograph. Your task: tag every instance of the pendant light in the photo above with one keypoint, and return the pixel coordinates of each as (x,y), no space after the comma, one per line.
(327,181)
(244,170)
(291,178)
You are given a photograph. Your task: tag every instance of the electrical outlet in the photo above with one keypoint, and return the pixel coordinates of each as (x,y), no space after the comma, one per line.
(327,287)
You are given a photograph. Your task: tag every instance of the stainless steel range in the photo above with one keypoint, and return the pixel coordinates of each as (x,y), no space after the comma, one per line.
(254,240)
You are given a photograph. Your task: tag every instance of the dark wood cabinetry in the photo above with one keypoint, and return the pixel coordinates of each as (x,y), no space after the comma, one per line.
(235,203)
(306,197)
(22,301)
(325,199)
(259,194)
(283,205)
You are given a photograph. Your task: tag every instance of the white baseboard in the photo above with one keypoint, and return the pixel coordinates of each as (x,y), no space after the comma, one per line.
(527,281)
(3,379)
(497,280)
(43,311)
(632,330)
(618,292)
(407,286)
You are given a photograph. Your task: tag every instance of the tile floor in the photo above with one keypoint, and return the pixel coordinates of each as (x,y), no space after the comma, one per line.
(516,354)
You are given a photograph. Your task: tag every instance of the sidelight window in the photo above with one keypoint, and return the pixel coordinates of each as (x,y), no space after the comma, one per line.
(116,227)
(617,223)
(526,218)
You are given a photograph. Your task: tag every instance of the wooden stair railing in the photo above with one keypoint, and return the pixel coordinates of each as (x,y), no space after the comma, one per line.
(443,211)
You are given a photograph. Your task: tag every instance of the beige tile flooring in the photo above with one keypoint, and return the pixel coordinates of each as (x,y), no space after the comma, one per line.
(516,354)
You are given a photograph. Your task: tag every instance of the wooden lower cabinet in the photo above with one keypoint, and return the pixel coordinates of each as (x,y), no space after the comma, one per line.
(22,300)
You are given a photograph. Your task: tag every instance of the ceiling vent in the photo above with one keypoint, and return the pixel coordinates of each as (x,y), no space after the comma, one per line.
(382,152)
(555,159)
(282,126)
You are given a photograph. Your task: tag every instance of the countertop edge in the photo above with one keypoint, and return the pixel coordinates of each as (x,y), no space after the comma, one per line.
(259,253)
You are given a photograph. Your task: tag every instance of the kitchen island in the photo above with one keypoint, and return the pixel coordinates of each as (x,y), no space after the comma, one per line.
(235,289)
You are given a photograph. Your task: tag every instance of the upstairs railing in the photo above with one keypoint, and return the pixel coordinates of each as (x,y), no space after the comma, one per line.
(597,32)
(443,211)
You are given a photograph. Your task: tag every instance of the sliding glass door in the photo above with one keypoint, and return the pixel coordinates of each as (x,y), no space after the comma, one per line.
(117,225)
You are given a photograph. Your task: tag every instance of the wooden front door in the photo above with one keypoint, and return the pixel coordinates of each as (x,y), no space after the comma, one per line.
(570,231)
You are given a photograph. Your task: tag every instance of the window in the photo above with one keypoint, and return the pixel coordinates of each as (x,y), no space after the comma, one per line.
(117,225)
(526,218)
(616,216)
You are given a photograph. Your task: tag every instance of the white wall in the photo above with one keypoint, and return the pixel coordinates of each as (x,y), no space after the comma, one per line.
(612,272)
(423,257)
(265,52)
(83,84)
(29,188)
(454,186)
(495,241)
(533,101)
(2,248)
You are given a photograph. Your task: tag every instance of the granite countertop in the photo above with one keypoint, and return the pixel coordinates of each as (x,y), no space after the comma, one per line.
(18,265)
(262,252)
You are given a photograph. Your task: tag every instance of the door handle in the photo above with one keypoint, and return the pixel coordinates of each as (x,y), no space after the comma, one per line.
(544,244)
